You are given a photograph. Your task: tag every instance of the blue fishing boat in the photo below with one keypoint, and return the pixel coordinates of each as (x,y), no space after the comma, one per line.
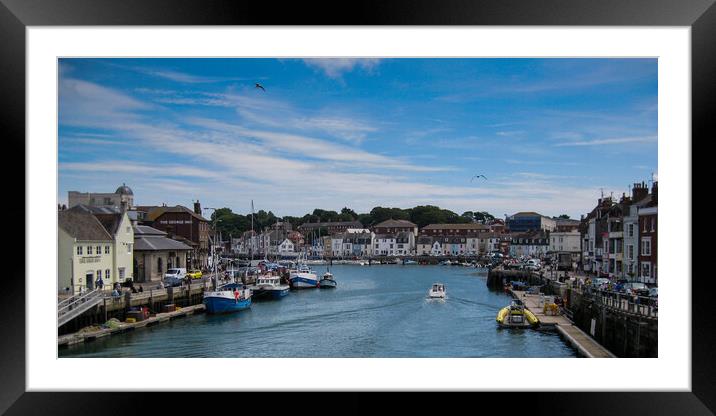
(302,277)
(230,297)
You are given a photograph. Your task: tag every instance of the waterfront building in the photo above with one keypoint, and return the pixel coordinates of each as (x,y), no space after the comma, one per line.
(337,248)
(330,227)
(182,222)
(395,226)
(444,230)
(122,197)
(530,221)
(648,233)
(360,241)
(453,245)
(424,245)
(565,241)
(405,243)
(84,252)
(594,231)
(533,243)
(155,253)
(437,248)
(384,245)
(491,242)
(631,231)
(474,244)
(286,248)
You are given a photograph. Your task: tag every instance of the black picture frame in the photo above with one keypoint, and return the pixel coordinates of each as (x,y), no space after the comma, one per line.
(16,15)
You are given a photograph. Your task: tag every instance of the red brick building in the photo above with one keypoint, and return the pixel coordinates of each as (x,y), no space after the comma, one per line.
(181,223)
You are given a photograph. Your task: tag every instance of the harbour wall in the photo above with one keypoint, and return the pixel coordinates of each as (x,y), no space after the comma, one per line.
(118,307)
(627,330)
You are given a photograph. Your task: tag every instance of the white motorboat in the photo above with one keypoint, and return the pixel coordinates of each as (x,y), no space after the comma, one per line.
(437,291)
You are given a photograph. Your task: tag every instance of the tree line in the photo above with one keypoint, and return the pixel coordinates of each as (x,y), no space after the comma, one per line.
(230,223)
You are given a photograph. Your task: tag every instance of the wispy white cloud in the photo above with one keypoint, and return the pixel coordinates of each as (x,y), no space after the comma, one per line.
(602,142)
(336,67)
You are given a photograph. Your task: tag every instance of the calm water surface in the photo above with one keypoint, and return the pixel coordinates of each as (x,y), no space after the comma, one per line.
(376,311)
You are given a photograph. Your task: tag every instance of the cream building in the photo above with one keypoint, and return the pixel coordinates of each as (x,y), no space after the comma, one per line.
(85,252)
(80,238)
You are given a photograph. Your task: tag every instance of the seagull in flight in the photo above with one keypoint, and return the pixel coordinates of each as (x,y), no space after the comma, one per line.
(260,86)
(478,176)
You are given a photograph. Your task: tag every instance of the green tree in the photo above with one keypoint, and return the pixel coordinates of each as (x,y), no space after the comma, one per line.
(564,216)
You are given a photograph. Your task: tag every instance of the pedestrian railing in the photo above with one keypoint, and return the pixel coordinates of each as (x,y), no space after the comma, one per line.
(74,306)
(643,306)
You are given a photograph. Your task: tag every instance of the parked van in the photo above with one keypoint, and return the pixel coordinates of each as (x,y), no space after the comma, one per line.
(176,273)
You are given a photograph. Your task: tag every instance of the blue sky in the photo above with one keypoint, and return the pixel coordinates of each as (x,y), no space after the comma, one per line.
(548,134)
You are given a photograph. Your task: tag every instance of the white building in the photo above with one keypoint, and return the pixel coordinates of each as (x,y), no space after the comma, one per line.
(84,252)
(564,241)
(286,248)
(384,245)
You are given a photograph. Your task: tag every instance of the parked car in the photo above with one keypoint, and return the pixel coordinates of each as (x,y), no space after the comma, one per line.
(636,288)
(654,292)
(195,274)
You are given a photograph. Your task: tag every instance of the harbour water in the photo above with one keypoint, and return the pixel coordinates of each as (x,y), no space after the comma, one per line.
(376,311)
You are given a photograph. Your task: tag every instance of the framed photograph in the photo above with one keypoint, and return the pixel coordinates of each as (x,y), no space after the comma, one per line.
(453,197)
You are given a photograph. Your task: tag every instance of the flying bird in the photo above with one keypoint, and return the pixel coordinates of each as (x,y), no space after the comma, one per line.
(478,176)
(260,86)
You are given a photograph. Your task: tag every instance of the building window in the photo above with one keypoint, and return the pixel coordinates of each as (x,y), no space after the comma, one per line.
(121,273)
(630,230)
(646,246)
(129,248)
(99,250)
(106,249)
(159,265)
(106,274)
(99,274)
(89,250)
(630,251)
(646,269)
(79,250)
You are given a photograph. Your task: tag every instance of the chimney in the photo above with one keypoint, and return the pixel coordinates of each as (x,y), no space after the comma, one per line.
(639,192)
(197,207)
(654,192)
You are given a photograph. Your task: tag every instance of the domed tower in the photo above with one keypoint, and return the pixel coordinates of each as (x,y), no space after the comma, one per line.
(126,196)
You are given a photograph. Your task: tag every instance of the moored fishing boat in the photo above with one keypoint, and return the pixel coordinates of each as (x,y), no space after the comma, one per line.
(327,281)
(516,316)
(302,277)
(227,298)
(269,287)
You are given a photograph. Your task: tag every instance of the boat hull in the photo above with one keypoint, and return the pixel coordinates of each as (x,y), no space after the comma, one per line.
(327,284)
(505,319)
(223,304)
(303,281)
(270,293)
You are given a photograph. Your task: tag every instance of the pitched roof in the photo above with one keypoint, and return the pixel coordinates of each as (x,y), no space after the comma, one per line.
(157,212)
(148,241)
(109,217)
(82,225)
(394,224)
